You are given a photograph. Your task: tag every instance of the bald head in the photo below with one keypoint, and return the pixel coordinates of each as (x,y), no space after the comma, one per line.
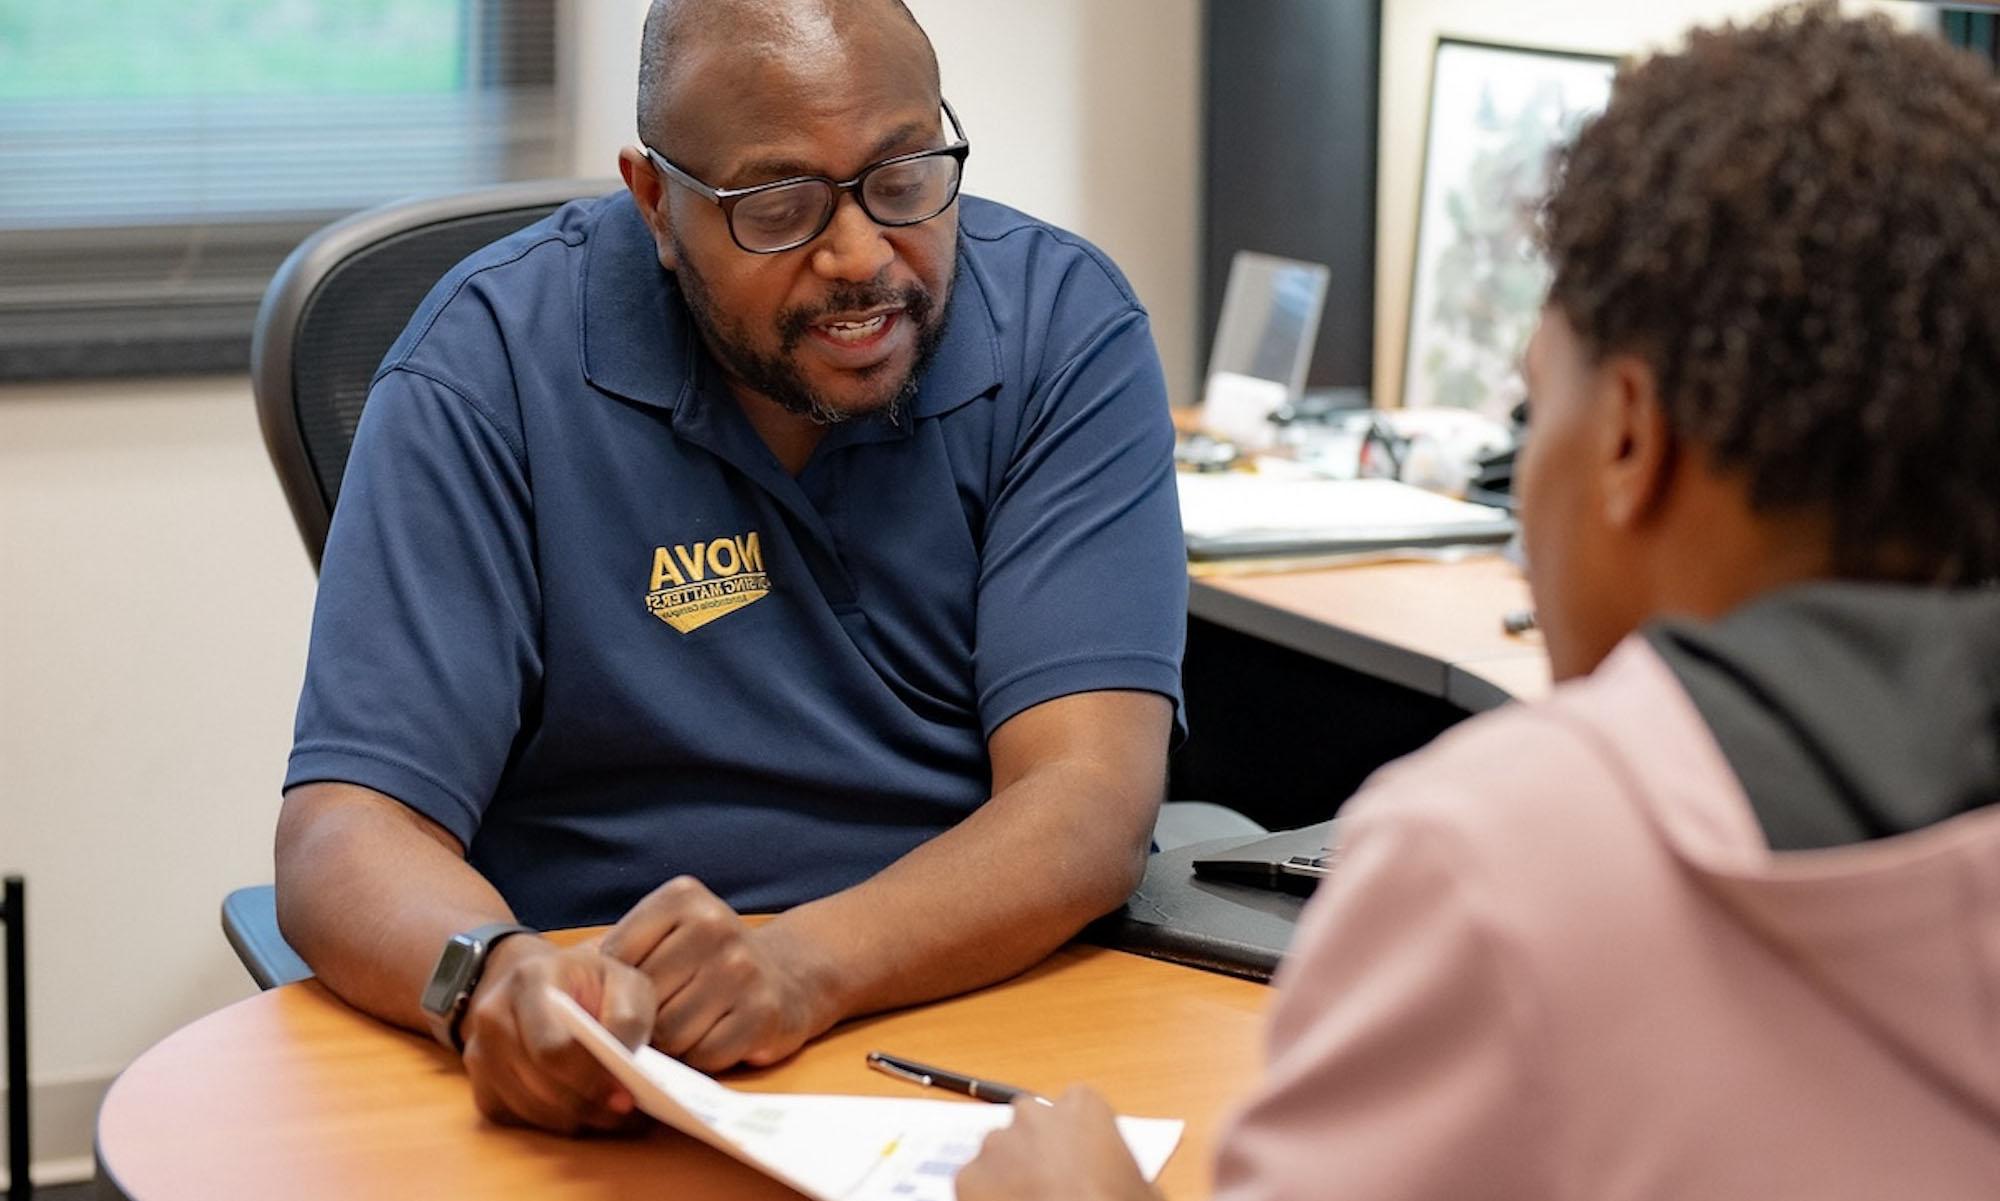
(685,39)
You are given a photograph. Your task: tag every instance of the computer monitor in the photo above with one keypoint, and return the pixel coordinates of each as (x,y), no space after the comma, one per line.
(1270,317)
(1263,342)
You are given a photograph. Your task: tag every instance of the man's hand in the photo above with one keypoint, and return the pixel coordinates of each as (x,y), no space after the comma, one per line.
(728,992)
(1069,1151)
(525,1066)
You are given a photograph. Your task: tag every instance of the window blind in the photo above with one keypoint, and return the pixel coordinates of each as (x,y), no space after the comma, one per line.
(158,161)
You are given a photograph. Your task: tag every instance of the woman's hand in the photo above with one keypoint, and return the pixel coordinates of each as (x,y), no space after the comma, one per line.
(1069,1151)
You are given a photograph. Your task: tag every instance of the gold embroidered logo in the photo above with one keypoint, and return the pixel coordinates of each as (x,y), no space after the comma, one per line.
(701,581)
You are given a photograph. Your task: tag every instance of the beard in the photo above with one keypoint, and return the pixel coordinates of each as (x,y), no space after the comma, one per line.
(776,376)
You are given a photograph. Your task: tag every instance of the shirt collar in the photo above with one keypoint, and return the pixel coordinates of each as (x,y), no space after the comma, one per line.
(967,363)
(638,342)
(634,334)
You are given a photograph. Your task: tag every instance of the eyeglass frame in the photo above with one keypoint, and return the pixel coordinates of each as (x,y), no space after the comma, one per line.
(727,199)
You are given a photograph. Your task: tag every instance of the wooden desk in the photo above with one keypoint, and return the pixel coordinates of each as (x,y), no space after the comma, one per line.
(1433,627)
(291,1094)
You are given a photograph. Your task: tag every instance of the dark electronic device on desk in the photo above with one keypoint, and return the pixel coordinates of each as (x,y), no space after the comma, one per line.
(1291,861)
(1228,905)
(1492,482)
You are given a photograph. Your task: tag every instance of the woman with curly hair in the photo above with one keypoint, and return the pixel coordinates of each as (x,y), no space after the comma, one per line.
(1720,918)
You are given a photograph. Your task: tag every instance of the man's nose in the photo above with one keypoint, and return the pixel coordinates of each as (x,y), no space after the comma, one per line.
(852,246)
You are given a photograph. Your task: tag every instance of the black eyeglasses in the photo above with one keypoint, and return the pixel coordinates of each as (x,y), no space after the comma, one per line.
(908,189)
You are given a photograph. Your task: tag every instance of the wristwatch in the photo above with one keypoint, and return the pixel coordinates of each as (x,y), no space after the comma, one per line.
(457,974)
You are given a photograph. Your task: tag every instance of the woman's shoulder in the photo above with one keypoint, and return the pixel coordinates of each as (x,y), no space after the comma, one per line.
(1539,799)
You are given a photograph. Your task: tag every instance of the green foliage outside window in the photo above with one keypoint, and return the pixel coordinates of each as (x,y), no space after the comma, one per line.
(136,49)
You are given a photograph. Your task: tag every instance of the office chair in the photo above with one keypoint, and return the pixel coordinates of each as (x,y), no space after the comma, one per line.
(337,304)
(331,313)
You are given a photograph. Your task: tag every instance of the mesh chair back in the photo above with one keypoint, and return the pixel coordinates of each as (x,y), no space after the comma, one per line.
(337,305)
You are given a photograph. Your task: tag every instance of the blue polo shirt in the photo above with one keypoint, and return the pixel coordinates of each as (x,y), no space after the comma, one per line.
(573,609)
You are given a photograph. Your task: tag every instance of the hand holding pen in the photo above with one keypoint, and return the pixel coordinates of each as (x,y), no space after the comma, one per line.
(1066,1149)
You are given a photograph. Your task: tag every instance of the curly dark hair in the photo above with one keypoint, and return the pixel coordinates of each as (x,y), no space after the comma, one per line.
(1797,224)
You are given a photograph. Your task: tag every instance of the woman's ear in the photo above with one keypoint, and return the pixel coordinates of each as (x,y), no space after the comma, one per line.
(1636,446)
(649,194)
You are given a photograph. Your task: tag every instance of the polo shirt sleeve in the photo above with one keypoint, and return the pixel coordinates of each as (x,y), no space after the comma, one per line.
(424,653)
(1083,578)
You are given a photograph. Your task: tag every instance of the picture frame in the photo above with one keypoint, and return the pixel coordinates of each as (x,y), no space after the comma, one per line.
(1497,115)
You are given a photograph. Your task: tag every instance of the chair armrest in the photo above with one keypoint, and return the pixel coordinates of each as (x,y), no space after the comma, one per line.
(250,921)
(1183,823)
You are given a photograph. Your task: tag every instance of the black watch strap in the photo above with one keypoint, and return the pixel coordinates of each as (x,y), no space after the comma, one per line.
(459,969)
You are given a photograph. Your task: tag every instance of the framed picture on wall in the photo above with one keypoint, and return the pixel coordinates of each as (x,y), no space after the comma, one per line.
(1497,115)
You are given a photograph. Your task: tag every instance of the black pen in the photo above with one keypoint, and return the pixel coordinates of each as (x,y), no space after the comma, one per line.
(954,1082)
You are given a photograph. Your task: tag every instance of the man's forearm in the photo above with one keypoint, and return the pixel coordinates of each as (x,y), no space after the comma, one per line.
(977,904)
(1059,846)
(368,892)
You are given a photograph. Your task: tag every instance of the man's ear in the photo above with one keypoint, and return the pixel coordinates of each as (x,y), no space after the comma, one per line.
(1637,447)
(649,193)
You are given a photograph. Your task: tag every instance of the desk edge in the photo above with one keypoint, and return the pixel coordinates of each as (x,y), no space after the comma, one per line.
(1326,642)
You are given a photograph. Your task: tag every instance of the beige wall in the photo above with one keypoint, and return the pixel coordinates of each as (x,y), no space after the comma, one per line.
(1410,29)
(154,598)
(1089,115)
(153,601)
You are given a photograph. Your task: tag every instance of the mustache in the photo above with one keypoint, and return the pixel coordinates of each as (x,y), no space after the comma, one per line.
(914,299)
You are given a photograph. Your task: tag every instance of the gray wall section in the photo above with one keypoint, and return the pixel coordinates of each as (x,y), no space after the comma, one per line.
(1290,156)
(65,1124)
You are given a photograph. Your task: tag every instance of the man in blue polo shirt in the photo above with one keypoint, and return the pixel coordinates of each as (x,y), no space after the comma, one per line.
(783,534)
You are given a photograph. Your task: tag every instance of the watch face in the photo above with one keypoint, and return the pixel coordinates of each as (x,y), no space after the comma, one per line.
(454,972)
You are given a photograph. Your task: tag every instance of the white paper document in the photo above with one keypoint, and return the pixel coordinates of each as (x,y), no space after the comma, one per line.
(1238,513)
(836,1148)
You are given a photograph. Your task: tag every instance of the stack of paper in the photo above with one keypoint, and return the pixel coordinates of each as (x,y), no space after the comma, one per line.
(836,1148)
(1244,513)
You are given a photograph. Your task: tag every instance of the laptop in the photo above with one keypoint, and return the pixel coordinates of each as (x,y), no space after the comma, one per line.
(1290,861)
(1231,514)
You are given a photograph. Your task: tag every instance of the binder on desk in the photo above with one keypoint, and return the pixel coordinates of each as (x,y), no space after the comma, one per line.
(1235,514)
(1221,906)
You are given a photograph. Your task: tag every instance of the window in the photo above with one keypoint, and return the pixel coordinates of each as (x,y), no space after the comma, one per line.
(158,161)
(1978,31)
